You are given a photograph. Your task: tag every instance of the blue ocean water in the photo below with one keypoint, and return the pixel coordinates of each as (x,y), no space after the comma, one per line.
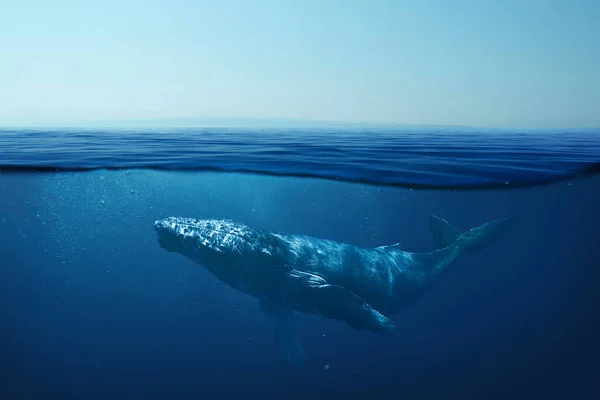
(410,157)
(93,308)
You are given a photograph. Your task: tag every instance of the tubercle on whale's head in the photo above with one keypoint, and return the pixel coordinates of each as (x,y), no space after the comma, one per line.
(181,234)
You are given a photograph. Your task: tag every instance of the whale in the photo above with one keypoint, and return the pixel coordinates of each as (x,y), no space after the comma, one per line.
(291,273)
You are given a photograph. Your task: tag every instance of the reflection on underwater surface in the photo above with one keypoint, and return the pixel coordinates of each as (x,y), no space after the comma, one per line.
(93,306)
(418,157)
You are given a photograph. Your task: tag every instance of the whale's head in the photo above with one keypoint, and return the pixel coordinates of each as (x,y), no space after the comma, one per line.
(209,241)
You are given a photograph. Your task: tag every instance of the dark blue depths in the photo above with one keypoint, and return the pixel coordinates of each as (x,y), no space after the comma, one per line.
(92,307)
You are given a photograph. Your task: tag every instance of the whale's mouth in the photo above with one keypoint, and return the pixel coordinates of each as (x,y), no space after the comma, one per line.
(167,244)
(164,241)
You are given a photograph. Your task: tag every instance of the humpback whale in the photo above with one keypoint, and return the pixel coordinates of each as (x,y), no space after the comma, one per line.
(293,272)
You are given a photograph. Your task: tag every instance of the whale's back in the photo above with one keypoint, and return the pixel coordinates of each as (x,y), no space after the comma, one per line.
(370,273)
(388,277)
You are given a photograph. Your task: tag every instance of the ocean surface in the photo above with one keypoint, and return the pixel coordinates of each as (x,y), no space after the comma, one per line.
(425,157)
(91,307)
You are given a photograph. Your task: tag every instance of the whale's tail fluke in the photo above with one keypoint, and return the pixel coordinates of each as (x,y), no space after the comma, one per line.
(452,242)
(444,233)
(473,240)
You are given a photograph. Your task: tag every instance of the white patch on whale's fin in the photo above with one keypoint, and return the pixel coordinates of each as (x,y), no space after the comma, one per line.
(337,302)
(283,321)
(307,278)
(444,233)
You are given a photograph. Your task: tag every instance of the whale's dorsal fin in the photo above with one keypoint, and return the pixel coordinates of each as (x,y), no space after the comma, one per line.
(444,233)
(395,246)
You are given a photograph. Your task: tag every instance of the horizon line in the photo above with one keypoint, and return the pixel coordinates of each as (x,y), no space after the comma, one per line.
(234,121)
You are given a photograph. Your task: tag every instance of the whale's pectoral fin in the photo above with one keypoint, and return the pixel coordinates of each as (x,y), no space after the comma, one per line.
(341,303)
(337,302)
(286,334)
(444,233)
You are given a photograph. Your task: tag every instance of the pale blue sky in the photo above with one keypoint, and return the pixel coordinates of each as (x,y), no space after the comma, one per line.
(510,63)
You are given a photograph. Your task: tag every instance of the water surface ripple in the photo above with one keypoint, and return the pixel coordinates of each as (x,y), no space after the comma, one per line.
(444,157)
